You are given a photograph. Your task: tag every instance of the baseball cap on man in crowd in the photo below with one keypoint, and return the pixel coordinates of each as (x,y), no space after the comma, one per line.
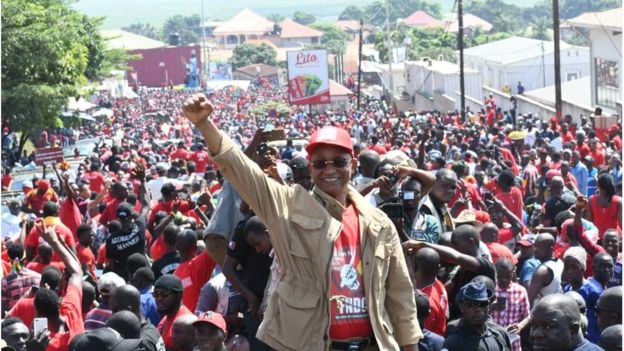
(332,136)
(212,318)
(103,339)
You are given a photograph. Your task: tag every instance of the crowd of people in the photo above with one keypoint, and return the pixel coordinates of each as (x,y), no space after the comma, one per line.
(189,227)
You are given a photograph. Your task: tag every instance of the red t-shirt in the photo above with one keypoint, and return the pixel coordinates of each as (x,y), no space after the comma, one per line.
(101,258)
(157,250)
(201,159)
(512,200)
(25,310)
(438,307)
(378,148)
(38,266)
(165,326)
(71,311)
(86,258)
(194,274)
(180,154)
(35,201)
(348,315)
(110,212)
(69,213)
(472,190)
(6,181)
(166,207)
(33,239)
(96,180)
(498,251)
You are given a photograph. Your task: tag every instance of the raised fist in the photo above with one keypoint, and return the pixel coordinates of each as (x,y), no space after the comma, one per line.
(197,108)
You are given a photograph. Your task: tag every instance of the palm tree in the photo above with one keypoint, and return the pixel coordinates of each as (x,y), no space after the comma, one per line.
(540,27)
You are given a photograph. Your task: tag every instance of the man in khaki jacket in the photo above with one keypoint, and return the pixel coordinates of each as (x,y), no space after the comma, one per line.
(345,280)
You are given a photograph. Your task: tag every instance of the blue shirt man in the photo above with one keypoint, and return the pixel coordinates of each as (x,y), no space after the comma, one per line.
(579,171)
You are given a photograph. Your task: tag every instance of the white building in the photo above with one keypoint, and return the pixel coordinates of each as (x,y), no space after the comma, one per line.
(246,25)
(605,64)
(435,84)
(525,60)
(398,80)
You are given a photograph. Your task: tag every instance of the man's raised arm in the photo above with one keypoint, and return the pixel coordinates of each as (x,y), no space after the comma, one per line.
(198,110)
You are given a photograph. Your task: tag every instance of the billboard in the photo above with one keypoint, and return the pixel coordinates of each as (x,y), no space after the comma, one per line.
(308,77)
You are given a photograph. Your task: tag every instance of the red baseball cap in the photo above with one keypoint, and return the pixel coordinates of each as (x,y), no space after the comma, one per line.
(213,318)
(333,136)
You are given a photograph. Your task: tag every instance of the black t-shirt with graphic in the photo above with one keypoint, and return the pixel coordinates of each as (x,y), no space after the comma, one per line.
(121,245)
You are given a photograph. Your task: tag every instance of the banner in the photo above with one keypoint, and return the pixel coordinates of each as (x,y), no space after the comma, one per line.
(49,156)
(308,77)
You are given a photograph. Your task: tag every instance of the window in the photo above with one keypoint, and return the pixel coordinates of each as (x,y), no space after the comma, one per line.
(572,75)
(607,82)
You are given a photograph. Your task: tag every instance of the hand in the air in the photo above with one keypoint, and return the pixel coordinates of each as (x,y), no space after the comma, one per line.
(197,108)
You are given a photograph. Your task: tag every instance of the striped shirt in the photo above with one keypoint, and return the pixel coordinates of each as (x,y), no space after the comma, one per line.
(16,285)
(97,317)
(517,308)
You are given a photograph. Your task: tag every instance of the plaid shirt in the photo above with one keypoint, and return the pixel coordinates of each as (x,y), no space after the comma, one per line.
(516,310)
(97,317)
(16,285)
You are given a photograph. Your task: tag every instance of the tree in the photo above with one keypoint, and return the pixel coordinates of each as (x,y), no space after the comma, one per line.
(351,12)
(303,18)
(540,28)
(144,29)
(186,27)
(249,54)
(503,16)
(572,8)
(334,39)
(275,17)
(46,55)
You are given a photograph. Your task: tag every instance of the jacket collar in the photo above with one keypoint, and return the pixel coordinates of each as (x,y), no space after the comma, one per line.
(334,207)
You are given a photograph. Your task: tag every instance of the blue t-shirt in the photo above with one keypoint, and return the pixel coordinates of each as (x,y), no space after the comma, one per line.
(148,306)
(588,346)
(528,268)
(591,291)
(616,280)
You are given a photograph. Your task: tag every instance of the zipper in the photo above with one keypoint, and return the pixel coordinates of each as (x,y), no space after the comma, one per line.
(327,288)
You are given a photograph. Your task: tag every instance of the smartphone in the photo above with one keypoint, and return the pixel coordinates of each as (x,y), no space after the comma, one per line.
(39,325)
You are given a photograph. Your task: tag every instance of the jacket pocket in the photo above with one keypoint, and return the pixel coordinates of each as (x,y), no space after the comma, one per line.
(298,318)
(306,229)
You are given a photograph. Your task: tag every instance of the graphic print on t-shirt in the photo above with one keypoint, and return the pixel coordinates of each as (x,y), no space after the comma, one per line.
(349,313)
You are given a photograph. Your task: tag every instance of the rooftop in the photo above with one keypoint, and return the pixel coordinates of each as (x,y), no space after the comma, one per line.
(352,25)
(245,22)
(514,49)
(337,89)
(442,67)
(420,18)
(120,39)
(470,21)
(258,69)
(576,92)
(292,29)
(611,19)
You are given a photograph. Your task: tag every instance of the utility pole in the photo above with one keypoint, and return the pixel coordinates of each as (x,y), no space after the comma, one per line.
(543,68)
(359,88)
(389,44)
(460,44)
(555,6)
(205,50)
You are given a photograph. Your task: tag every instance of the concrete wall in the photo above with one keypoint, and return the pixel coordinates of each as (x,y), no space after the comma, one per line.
(605,46)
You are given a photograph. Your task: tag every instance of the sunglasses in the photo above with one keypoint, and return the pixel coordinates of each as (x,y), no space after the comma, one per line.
(471,303)
(338,162)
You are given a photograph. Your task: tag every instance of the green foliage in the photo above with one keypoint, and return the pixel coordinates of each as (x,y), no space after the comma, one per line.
(144,29)
(249,54)
(572,8)
(187,27)
(351,12)
(540,28)
(48,51)
(334,39)
(503,16)
(262,109)
(303,18)
(275,17)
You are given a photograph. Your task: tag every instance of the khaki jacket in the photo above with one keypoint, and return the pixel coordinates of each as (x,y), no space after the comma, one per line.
(303,228)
